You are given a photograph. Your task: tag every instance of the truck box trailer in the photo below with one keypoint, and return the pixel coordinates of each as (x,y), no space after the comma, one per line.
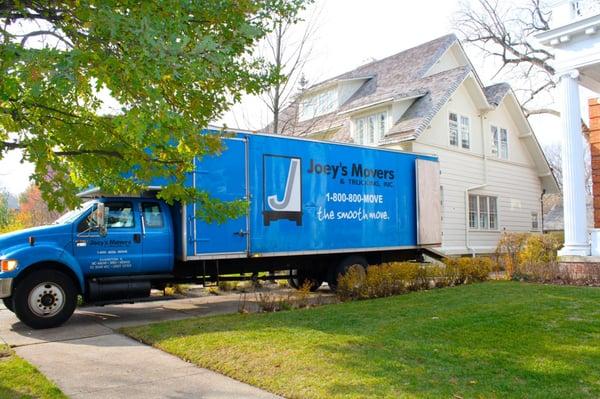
(314,209)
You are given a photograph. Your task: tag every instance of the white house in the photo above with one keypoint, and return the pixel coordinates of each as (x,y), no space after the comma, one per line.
(429,99)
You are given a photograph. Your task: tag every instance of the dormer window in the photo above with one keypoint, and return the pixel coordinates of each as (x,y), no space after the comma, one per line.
(318,104)
(499,142)
(459,127)
(369,130)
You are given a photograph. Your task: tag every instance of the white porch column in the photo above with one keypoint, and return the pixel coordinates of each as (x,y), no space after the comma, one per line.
(574,194)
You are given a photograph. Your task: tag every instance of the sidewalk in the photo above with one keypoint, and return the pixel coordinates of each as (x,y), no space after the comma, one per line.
(87,358)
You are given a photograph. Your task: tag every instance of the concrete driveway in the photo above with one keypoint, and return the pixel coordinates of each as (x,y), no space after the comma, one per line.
(86,358)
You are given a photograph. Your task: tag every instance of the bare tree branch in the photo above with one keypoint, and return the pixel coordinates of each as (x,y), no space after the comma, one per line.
(289,55)
(503,31)
(29,35)
(529,112)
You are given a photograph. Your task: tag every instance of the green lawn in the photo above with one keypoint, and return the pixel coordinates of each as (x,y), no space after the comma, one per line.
(490,340)
(19,379)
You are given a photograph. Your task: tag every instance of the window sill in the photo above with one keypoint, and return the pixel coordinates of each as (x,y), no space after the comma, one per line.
(484,230)
(459,148)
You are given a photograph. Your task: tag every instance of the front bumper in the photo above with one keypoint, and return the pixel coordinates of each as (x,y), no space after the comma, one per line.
(5,287)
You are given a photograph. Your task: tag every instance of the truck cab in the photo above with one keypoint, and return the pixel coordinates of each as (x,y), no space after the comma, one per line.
(101,251)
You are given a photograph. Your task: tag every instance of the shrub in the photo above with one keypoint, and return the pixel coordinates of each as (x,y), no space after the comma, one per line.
(527,256)
(508,249)
(226,285)
(399,277)
(540,272)
(467,269)
(538,258)
(527,253)
(351,285)
(177,289)
(269,301)
(540,248)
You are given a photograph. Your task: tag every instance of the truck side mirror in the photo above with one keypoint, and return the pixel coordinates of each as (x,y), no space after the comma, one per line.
(101,218)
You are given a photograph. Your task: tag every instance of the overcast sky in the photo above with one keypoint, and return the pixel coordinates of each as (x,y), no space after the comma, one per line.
(350,33)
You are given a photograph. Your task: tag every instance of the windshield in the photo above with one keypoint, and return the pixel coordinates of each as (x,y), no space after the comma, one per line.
(71,216)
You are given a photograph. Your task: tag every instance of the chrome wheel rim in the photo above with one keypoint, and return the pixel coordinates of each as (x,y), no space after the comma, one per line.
(46,299)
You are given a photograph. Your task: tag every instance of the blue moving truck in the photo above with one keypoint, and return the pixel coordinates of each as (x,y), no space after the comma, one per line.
(315,209)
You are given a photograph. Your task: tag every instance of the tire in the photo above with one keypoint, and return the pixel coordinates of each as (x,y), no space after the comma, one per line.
(8,302)
(342,267)
(293,281)
(303,278)
(45,299)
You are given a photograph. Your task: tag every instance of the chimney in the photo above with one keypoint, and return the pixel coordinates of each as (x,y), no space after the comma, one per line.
(594,138)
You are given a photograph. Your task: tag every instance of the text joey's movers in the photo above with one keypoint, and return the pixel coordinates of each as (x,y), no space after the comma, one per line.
(315,209)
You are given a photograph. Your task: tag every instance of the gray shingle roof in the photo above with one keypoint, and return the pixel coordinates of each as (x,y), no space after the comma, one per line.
(554,217)
(398,76)
(495,93)
(418,116)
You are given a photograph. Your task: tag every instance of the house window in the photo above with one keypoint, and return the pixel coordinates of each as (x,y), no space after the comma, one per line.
(484,215)
(463,128)
(483,212)
(499,142)
(473,211)
(317,105)
(370,129)
(493,213)
(453,125)
(465,132)
(535,225)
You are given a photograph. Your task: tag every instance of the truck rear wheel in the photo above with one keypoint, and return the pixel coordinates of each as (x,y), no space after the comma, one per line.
(8,302)
(45,299)
(302,278)
(343,266)
(293,280)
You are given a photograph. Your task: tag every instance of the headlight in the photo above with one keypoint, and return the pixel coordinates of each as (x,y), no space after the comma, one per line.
(8,265)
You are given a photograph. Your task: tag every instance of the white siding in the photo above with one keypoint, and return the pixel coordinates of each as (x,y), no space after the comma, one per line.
(451,59)
(514,182)
(400,107)
(347,89)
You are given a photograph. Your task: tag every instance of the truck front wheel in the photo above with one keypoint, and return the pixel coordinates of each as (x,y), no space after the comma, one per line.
(8,303)
(45,299)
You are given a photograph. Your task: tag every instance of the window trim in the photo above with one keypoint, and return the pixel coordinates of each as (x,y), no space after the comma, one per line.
(478,213)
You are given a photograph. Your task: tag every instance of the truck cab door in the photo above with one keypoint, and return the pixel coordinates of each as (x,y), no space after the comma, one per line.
(119,252)
(157,238)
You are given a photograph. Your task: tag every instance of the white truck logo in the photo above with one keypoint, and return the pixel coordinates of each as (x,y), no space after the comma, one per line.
(290,205)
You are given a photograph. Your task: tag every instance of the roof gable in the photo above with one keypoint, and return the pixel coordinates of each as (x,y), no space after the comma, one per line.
(396,77)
